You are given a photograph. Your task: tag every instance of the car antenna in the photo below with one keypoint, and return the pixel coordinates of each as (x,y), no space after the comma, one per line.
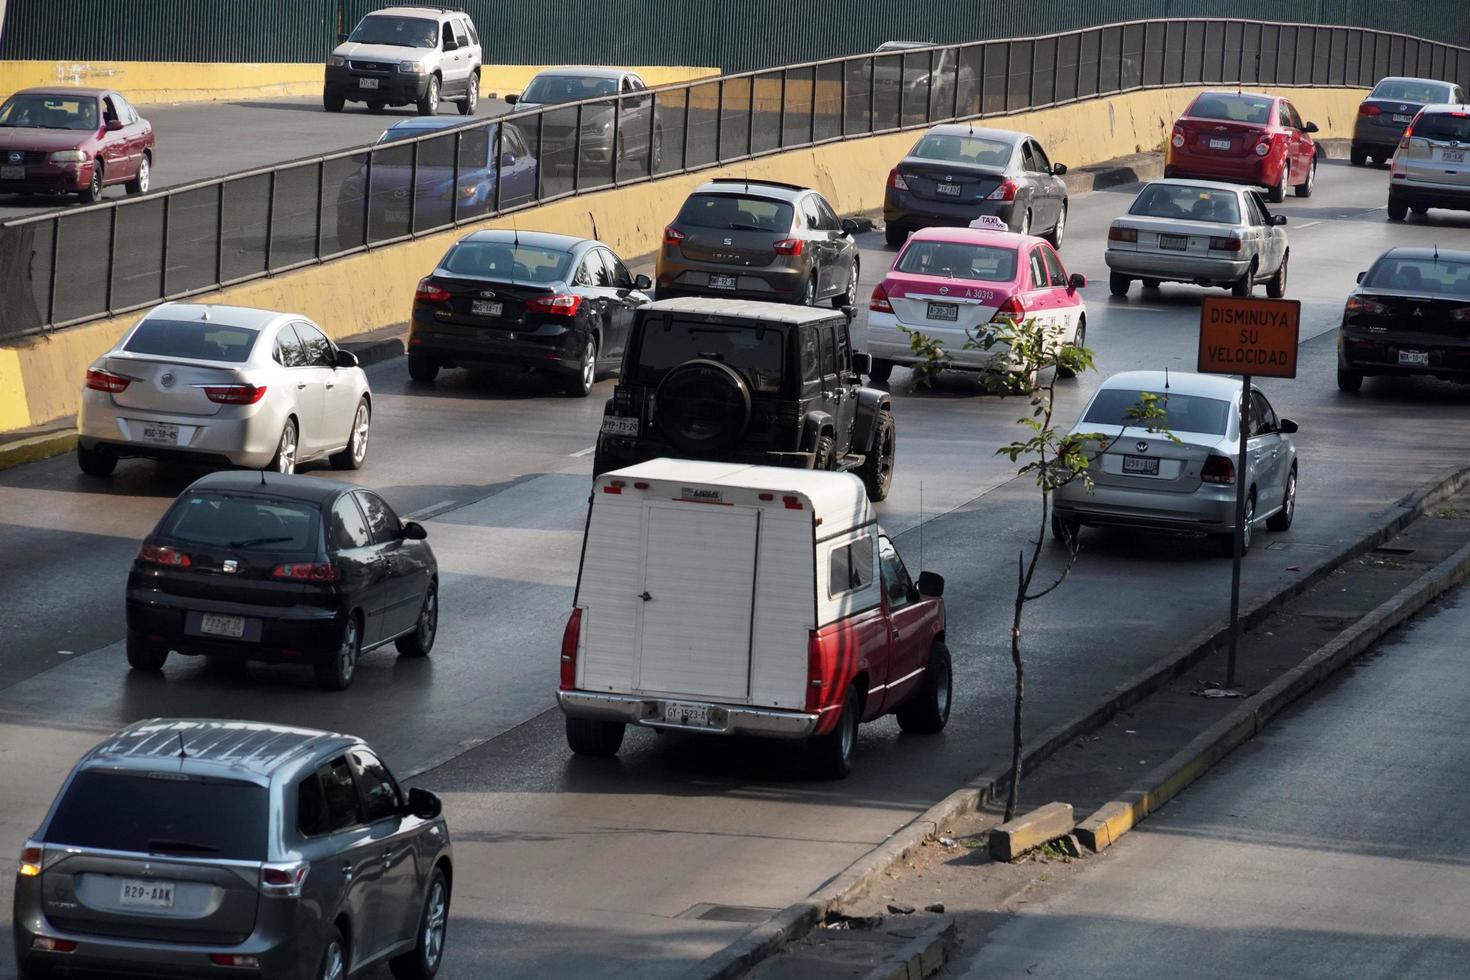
(1166,379)
(262,476)
(182,753)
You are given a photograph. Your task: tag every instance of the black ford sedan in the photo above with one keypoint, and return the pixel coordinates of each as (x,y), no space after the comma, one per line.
(555,304)
(287,569)
(1410,314)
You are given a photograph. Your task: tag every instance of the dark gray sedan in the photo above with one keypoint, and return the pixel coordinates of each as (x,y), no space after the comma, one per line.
(1387,111)
(956,173)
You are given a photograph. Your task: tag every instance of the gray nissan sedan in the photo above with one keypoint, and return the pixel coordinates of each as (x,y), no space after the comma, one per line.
(184,848)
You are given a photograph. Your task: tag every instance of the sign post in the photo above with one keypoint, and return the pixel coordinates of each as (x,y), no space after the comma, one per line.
(1252,338)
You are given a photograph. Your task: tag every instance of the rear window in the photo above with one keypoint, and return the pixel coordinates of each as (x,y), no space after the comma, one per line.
(1184,413)
(506,260)
(958,260)
(736,213)
(754,349)
(1429,275)
(1187,204)
(1402,90)
(1444,126)
(1232,108)
(162,813)
(963,149)
(242,523)
(197,340)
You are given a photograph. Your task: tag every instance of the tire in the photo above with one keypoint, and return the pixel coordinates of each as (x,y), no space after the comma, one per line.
(1227,541)
(335,671)
(139,184)
(1281,520)
(422,369)
(1246,284)
(1078,341)
(1064,531)
(877,469)
(830,755)
(1277,194)
(1276,285)
(1025,226)
(1397,210)
(284,461)
(95,462)
(1349,381)
(355,454)
(849,298)
(93,193)
(333,965)
(927,711)
(1058,232)
(1357,157)
(1151,283)
(809,295)
(822,458)
(594,737)
(422,962)
(1118,284)
(471,100)
(429,104)
(417,644)
(1305,189)
(656,151)
(333,101)
(144,656)
(580,384)
(1378,159)
(894,235)
(881,371)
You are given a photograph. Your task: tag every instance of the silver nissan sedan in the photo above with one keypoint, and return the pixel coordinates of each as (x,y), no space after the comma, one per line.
(1144,479)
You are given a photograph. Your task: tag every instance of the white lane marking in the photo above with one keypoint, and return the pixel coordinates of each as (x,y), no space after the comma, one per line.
(583,452)
(431,510)
(1308,224)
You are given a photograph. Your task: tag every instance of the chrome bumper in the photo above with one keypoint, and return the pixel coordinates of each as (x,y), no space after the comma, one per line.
(724,719)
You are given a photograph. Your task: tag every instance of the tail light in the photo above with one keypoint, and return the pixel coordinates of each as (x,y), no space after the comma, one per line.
(788,246)
(428,292)
(1005,192)
(106,381)
(896,181)
(30,861)
(673,236)
(1226,244)
(879,303)
(1460,315)
(160,555)
(235,959)
(1116,234)
(1218,469)
(562,304)
(308,571)
(1369,109)
(283,880)
(570,637)
(1011,309)
(1362,304)
(234,394)
(50,944)
(816,673)
(1178,138)
(1263,147)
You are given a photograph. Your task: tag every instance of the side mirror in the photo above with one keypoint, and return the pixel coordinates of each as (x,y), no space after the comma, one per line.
(1362,274)
(642,282)
(423,804)
(414,531)
(1058,169)
(511,98)
(341,38)
(1286,427)
(1278,219)
(1310,127)
(113,125)
(450,45)
(347,359)
(849,227)
(862,363)
(931,584)
(507,159)
(1077,281)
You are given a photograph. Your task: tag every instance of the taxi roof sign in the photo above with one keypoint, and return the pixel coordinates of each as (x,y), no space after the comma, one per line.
(990,222)
(1256,337)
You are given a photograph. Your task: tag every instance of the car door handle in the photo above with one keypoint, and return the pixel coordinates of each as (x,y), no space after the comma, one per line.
(347,870)
(300,385)
(331,385)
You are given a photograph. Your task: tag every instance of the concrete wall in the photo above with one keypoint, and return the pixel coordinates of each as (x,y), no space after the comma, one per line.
(40,380)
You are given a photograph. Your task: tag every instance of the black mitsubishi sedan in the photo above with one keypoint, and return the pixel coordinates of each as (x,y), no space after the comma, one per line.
(1410,314)
(281,568)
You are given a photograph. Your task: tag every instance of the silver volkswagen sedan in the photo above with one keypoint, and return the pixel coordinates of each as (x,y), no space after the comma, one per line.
(1201,232)
(224,385)
(1144,479)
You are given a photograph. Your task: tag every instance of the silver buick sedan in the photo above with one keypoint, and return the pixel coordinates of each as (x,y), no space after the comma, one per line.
(224,385)
(1200,232)
(1144,479)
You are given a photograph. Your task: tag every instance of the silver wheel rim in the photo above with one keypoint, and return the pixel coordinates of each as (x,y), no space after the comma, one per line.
(143,175)
(1250,521)
(360,426)
(1290,505)
(347,656)
(1026,222)
(332,965)
(656,153)
(474,95)
(589,364)
(885,458)
(429,618)
(1061,225)
(96,185)
(852,286)
(433,93)
(286,451)
(436,924)
(1312,176)
(810,296)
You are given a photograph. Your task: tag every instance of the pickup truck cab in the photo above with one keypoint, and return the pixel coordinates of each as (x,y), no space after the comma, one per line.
(724,598)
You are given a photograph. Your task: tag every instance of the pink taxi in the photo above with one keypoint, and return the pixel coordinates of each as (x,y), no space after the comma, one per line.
(950,283)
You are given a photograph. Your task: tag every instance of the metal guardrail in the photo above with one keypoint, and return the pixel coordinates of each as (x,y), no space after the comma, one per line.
(68,267)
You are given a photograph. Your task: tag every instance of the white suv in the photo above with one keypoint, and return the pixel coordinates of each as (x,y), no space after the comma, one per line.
(1431,168)
(406,55)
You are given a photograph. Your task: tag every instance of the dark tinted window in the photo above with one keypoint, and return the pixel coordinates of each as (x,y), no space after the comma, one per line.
(811,356)
(409,32)
(896,582)
(379,791)
(505,260)
(1444,126)
(620,277)
(1186,203)
(1184,413)
(736,212)
(852,567)
(1427,275)
(754,349)
(198,340)
(963,149)
(288,351)
(339,791)
(829,352)
(348,528)
(1038,156)
(315,346)
(241,522)
(162,814)
(383,524)
(1232,108)
(311,808)
(49,112)
(1054,271)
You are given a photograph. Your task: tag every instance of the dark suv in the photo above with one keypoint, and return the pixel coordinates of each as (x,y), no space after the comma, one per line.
(747,382)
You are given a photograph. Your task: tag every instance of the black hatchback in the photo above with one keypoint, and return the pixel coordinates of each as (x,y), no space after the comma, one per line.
(1410,314)
(286,569)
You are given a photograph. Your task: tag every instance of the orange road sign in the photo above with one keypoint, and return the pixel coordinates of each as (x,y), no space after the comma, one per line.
(1257,337)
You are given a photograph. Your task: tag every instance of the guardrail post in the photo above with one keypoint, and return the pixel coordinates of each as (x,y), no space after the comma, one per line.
(842,106)
(367,199)
(321,204)
(540,150)
(653,131)
(811,130)
(413,186)
(577,151)
(454,176)
(163,250)
(929,93)
(612,154)
(497,155)
(719,117)
(219,235)
(684,149)
(750,116)
(872,94)
(111,254)
(51,284)
(780,112)
(270,218)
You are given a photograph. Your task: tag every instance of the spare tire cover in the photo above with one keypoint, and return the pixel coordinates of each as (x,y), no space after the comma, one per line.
(702,407)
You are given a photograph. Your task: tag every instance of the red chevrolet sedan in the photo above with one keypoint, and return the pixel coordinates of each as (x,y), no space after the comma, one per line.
(1244,138)
(72,141)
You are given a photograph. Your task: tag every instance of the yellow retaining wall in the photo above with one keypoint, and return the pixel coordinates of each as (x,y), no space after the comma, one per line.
(40,380)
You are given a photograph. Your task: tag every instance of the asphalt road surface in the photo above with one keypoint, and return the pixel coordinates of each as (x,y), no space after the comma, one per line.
(1325,847)
(615,869)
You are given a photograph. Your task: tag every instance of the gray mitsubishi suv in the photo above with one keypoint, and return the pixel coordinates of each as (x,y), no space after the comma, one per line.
(186,848)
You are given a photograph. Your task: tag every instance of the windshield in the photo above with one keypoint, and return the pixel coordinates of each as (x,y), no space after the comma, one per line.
(754,349)
(162,813)
(992,263)
(1183,413)
(567,88)
(242,523)
(404,32)
(1252,109)
(506,260)
(1422,275)
(1404,90)
(963,149)
(197,340)
(736,212)
(1186,203)
(1447,127)
(49,112)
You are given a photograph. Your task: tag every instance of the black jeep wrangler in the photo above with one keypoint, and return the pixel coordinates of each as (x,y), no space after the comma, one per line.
(748,382)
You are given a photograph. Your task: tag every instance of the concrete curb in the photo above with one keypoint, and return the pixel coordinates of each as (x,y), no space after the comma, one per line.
(922,957)
(1150,166)
(372,352)
(796,920)
(38,447)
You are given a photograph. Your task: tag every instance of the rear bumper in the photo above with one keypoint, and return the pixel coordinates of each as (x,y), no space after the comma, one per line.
(906,210)
(1411,193)
(725,719)
(1209,510)
(284,634)
(888,343)
(1254,170)
(545,346)
(1377,355)
(1175,268)
(243,435)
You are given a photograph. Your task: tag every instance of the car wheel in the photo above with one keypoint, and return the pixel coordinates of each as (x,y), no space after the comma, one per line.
(877,469)
(1281,520)
(334,958)
(592,736)
(1378,159)
(139,184)
(1078,341)
(422,962)
(471,100)
(1397,210)
(809,295)
(429,104)
(927,711)
(580,385)
(1227,541)
(1349,381)
(1357,157)
(1064,531)
(1025,228)
(881,370)
(1277,194)
(849,298)
(93,192)
(1246,284)
(831,754)
(1276,285)
(95,462)
(421,640)
(656,151)
(422,369)
(1118,285)
(143,655)
(895,235)
(353,456)
(334,671)
(1060,230)
(284,461)
(823,455)
(1305,189)
(333,101)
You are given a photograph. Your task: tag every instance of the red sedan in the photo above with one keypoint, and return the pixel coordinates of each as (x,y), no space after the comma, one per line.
(1244,138)
(73,141)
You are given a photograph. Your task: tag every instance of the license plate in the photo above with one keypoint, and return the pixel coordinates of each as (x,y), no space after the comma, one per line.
(952,190)
(617,426)
(485,307)
(1416,358)
(1400,117)
(722,282)
(944,311)
(1452,156)
(12,173)
(1177,243)
(161,433)
(1142,465)
(217,625)
(1219,144)
(146,894)
(367,82)
(686,714)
